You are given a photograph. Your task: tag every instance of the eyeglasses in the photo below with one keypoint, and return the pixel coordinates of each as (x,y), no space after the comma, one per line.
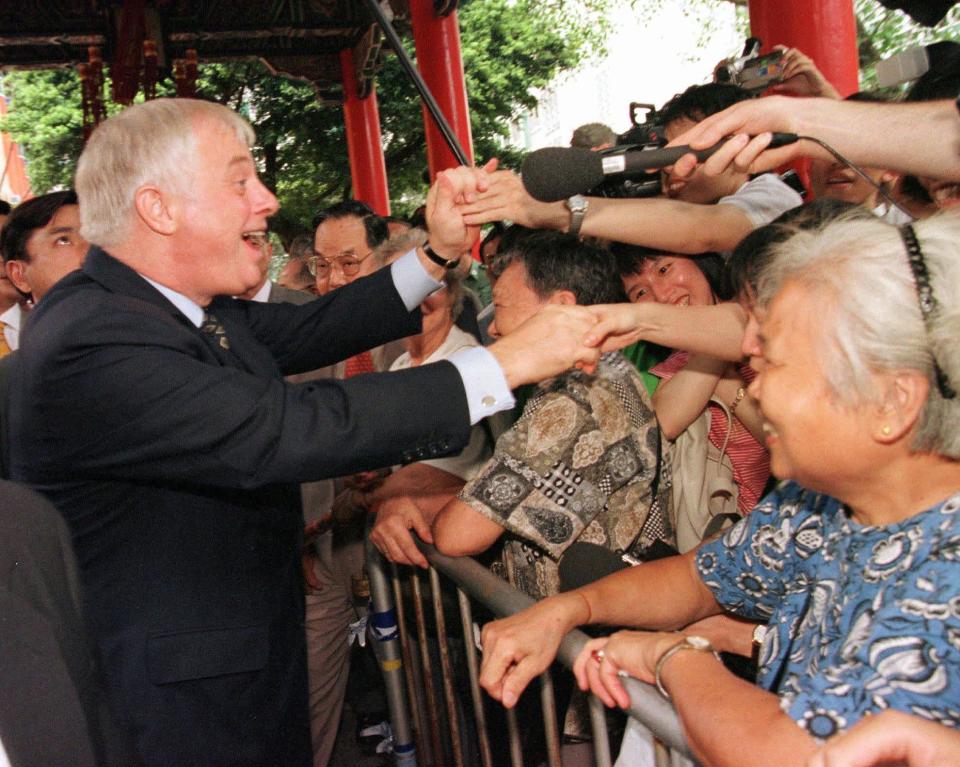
(349,265)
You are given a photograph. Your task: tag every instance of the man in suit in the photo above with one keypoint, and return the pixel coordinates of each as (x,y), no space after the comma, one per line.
(52,706)
(150,408)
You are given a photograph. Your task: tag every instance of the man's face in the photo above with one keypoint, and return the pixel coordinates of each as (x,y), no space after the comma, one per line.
(835,180)
(54,251)
(697,187)
(514,300)
(222,218)
(342,243)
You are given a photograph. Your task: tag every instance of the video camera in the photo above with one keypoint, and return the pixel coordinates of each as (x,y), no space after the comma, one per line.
(646,133)
(752,71)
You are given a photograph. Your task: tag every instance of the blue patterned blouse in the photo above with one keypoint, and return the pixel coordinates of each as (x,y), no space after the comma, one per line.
(860,619)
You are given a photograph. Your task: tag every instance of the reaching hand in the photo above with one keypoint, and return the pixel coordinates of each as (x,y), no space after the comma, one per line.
(518,648)
(547,344)
(450,234)
(616,326)
(396,517)
(749,124)
(603,661)
(801,76)
(506,199)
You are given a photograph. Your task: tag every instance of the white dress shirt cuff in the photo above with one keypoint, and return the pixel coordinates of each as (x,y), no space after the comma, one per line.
(412,281)
(484,382)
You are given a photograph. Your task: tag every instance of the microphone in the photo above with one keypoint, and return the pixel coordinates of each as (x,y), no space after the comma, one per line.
(556,173)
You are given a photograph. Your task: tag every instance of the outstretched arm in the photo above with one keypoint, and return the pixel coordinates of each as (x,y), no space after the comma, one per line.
(922,139)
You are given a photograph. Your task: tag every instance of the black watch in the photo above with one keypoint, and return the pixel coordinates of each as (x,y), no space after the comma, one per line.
(438,259)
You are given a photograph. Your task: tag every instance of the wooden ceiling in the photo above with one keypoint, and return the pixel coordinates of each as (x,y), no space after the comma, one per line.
(300,38)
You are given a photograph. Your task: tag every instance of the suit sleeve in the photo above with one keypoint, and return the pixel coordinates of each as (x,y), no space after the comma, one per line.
(129,397)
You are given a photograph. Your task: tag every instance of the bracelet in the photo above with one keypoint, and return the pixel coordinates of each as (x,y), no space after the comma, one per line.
(693,642)
(438,259)
(741,393)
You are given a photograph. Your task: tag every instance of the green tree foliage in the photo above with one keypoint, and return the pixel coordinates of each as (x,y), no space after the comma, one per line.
(509,48)
(882,32)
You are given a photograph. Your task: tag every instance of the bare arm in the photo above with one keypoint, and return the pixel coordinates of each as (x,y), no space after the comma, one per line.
(459,530)
(922,139)
(727,721)
(674,226)
(715,330)
(679,401)
(519,647)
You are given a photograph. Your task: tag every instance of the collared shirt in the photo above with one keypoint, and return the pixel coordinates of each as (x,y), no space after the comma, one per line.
(12,320)
(483,379)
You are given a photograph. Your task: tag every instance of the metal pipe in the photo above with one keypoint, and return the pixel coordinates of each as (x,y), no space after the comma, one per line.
(411,670)
(383,620)
(551,729)
(479,715)
(646,704)
(446,670)
(410,68)
(432,709)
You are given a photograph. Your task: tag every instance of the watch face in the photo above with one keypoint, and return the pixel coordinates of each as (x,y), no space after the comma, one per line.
(759,632)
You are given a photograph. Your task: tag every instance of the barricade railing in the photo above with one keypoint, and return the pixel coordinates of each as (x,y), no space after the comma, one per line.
(409,665)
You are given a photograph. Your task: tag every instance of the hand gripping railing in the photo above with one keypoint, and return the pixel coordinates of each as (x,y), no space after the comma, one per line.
(414,709)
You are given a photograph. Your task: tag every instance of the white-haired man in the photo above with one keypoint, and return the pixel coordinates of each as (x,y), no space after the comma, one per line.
(150,408)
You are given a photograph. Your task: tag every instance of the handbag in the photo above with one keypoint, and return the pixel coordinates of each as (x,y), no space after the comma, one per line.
(703,497)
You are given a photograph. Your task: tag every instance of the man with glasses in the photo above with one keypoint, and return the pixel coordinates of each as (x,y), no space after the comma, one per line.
(346,234)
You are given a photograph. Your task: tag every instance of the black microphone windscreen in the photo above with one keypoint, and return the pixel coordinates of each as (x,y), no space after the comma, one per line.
(584,563)
(556,173)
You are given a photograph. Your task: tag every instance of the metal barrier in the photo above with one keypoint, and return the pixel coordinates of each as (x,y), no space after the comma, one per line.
(410,677)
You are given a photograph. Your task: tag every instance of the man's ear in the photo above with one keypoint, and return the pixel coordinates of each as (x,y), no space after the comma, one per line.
(903,395)
(156,209)
(563,298)
(16,271)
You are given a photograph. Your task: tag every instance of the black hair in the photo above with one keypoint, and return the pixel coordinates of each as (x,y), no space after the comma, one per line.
(869,97)
(5,208)
(631,258)
(374,226)
(26,218)
(698,102)
(755,251)
(558,261)
(509,237)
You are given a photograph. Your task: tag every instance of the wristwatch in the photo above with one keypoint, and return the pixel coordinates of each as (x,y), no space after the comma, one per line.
(438,259)
(756,642)
(577,205)
(692,642)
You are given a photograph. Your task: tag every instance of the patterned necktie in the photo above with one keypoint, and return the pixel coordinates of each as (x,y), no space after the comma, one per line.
(4,346)
(211,326)
(358,364)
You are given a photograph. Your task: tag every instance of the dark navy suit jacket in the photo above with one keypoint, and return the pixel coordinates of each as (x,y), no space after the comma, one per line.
(176,462)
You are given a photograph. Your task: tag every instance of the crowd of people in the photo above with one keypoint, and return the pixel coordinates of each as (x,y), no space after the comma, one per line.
(721,419)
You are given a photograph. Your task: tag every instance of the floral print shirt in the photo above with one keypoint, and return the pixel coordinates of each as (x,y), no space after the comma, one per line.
(579,464)
(860,618)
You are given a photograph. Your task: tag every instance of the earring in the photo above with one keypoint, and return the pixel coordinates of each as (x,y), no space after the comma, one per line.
(886,430)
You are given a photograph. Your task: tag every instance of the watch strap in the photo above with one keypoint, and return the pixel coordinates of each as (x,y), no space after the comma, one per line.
(438,259)
(577,205)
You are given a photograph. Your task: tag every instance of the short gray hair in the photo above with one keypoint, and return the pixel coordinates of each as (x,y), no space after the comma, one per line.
(149,143)
(868,310)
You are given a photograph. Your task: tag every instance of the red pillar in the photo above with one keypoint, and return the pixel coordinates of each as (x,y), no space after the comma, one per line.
(825,30)
(437,41)
(368,170)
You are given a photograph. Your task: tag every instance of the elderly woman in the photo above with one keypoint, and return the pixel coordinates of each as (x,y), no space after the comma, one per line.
(853,564)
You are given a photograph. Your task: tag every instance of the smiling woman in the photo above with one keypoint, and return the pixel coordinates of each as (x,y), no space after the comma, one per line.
(853,564)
